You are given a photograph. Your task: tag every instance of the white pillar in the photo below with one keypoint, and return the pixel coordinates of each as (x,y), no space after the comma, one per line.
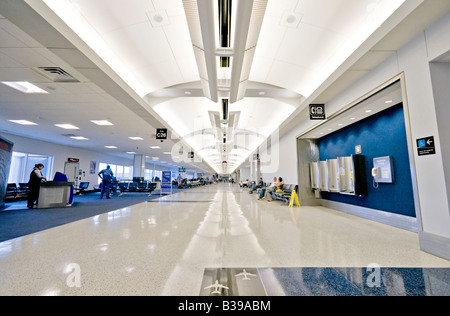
(138,166)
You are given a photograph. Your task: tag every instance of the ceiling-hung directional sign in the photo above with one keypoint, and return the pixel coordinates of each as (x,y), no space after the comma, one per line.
(426,146)
(317,112)
(161,133)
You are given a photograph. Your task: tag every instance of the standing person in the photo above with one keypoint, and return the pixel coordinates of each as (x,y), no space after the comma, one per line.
(106,175)
(180,181)
(34,184)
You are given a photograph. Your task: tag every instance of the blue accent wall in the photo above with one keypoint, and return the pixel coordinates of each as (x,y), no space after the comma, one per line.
(382,134)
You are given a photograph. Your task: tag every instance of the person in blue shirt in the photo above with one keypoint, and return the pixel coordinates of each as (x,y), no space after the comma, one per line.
(107,176)
(259,185)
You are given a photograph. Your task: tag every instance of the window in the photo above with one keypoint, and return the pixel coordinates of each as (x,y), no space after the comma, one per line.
(22,164)
(148,175)
(120,172)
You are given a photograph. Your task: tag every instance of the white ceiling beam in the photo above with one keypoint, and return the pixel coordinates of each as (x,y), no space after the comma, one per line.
(250,15)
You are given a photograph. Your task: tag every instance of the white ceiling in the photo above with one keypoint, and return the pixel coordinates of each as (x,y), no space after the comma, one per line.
(135,66)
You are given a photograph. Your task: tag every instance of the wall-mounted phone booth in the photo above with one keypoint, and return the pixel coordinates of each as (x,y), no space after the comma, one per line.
(323,176)
(346,175)
(314,169)
(333,175)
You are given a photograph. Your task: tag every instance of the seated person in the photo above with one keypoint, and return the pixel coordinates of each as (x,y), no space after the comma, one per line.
(263,190)
(259,185)
(268,193)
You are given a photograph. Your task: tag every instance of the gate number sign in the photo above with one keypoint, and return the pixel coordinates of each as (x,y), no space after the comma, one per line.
(161,133)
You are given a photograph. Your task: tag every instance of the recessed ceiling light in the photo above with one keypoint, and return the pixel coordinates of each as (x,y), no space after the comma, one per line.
(369,111)
(102,122)
(353,118)
(67,126)
(154,147)
(167,153)
(111,147)
(388,101)
(340,124)
(22,122)
(155,158)
(79,137)
(131,152)
(187,92)
(25,87)
(136,138)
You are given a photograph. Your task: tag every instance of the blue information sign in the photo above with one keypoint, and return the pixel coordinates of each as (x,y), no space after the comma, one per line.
(166,177)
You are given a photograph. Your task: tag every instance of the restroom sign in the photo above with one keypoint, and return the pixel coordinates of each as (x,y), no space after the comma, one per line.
(426,146)
(317,112)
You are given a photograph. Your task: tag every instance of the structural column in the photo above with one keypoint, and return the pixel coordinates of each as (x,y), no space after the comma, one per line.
(138,166)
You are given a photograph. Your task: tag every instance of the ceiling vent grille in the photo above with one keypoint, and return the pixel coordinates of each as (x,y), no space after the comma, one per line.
(56,74)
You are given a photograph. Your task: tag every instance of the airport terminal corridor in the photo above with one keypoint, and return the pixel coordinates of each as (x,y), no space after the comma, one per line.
(168,245)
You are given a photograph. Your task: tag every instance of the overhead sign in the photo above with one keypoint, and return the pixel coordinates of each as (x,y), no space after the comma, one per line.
(73,159)
(317,112)
(161,133)
(426,146)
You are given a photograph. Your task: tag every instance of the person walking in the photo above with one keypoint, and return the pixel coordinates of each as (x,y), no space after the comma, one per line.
(107,176)
(34,185)
(180,181)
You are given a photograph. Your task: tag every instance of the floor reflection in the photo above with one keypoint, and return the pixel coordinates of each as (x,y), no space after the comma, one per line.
(357,281)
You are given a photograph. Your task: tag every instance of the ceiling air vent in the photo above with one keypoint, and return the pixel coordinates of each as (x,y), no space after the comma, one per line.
(56,74)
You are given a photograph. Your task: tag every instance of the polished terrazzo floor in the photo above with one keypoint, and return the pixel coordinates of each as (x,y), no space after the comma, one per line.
(162,247)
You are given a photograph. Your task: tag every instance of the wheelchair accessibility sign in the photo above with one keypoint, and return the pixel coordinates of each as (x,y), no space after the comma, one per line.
(426,146)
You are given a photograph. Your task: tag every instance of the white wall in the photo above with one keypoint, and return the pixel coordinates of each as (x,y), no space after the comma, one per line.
(61,153)
(413,59)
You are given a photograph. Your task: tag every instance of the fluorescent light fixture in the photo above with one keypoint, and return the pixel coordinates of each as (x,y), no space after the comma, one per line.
(25,87)
(155,147)
(79,137)
(111,147)
(102,122)
(136,138)
(388,101)
(155,158)
(167,153)
(22,122)
(131,152)
(67,126)
(369,111)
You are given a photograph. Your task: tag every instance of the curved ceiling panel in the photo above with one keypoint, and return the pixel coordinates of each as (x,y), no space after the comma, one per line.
(277,55)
